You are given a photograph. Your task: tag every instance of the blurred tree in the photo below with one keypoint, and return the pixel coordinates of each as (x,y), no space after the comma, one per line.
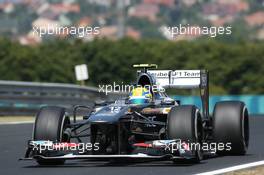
(234,68)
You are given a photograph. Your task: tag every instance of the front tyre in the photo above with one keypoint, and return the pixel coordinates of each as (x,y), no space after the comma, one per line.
(185,123)
(50,124)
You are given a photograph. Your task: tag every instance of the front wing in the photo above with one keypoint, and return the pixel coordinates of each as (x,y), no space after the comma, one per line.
(154,150)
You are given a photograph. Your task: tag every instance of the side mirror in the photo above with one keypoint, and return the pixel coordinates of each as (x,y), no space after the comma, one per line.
(127,100)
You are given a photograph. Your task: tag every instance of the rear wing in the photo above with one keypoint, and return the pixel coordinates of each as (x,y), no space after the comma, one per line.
(186,79)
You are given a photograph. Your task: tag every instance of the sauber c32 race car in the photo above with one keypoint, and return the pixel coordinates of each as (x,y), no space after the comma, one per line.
(160,129)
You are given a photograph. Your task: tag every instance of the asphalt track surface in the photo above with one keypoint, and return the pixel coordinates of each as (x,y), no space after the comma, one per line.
(13,143)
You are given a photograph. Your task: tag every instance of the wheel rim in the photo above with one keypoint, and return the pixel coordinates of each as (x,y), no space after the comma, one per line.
(65,122)
(198,134)
(245,128)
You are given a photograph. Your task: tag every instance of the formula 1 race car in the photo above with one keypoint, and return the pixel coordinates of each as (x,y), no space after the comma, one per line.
(158,129)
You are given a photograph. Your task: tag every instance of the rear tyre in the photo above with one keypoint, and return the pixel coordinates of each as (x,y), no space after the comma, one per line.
(50,124)
(185,123)
(231,126)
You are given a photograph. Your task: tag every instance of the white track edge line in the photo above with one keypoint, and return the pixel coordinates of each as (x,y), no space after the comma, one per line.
(233,168)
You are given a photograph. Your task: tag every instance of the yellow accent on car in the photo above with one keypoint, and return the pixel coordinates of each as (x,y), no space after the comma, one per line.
(166,110)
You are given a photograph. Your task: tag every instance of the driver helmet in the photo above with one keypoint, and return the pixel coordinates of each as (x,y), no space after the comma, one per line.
(140,95)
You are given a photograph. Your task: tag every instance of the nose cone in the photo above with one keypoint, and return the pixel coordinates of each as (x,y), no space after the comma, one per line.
(108,115)
(104,118)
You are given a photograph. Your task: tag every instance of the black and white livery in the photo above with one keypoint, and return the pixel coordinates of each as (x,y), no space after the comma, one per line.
(162,129)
